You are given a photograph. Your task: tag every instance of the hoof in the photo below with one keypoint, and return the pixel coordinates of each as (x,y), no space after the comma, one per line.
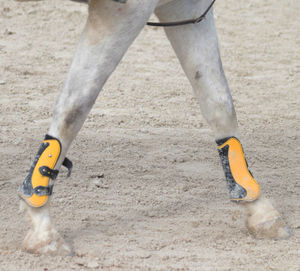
(49,243)
(42,237)
(265,222)
(273,229)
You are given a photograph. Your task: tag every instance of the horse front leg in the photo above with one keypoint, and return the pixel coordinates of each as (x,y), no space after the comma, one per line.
(197,49)
(109,31)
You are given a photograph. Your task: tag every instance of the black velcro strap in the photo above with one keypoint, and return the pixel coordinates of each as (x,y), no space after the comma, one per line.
(69,165)
(43,190)
(52,173)
(48,172)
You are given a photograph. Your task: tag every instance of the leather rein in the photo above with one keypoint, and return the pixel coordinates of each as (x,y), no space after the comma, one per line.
(184,22)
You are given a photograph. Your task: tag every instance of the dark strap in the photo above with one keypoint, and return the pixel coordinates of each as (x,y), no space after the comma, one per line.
(66,163)
(48,172)
(43,190)
(69,165)
(52,173)
(191,21)
(167,24)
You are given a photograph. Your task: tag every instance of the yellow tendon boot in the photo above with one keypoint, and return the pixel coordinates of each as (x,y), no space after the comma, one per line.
(37,186)
(240,182)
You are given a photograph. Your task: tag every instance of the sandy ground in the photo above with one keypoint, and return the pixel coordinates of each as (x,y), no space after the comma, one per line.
(147,190)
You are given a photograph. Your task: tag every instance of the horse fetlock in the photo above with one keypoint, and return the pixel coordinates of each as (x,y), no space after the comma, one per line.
(42,237)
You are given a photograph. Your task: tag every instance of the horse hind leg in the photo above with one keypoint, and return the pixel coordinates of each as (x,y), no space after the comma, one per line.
(196,47)
(109,31)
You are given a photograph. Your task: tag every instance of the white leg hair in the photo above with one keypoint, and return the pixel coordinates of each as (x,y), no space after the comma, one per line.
(42,238)
(196,47)
(110,29)
(264,221)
